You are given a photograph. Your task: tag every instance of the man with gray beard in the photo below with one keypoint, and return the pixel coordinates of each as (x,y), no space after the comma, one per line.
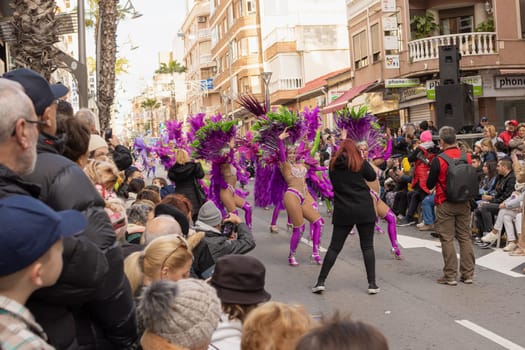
(91,306)
(18,138)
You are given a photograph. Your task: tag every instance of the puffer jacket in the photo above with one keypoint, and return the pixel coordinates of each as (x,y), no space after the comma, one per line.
(91,306)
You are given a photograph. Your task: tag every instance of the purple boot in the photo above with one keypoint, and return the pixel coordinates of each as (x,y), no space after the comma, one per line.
(247,213)
(294,243)
(316,240)
(390,218)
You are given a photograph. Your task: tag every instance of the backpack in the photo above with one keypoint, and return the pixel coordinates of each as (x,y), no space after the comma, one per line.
(462,178)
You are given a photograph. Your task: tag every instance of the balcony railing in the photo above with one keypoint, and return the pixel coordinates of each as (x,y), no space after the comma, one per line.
(287,84)
(469,44)
(282,34)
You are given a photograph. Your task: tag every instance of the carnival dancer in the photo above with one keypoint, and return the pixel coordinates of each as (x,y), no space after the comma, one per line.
(215,142)
(362,127)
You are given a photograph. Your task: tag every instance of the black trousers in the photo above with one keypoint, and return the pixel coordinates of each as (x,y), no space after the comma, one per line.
(485,217)
(366,241)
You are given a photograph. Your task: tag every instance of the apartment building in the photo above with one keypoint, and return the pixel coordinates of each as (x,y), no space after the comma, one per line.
(201,69)
(390,51)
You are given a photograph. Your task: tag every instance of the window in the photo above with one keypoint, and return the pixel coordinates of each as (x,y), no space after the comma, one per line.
(376,47)
(250,6)
(240,8)
(230,16)
(253,45)
(234,48)
(214,36)
(522,17)
(360,50)
(256,84)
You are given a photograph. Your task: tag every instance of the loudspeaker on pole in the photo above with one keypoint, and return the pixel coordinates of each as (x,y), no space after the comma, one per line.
(454,105)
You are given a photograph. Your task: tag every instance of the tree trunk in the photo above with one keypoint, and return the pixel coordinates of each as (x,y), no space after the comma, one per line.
(108,17)
(36,32)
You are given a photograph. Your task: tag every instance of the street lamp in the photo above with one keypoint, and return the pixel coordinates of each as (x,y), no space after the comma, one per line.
(266,76)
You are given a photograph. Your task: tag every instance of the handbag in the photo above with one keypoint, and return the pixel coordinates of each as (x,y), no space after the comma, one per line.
(201,195)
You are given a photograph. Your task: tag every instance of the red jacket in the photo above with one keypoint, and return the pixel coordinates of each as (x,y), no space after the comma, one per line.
(506,136)
(438,173)
(421,171)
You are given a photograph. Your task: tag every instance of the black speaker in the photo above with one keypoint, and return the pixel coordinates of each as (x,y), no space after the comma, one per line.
(449,58)
(454,106)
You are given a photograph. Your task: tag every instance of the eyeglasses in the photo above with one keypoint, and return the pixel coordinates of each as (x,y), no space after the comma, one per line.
(30,121)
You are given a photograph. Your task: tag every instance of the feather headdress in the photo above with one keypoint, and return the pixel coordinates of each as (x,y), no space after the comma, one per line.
(362,126)
(274,124)
(211,140)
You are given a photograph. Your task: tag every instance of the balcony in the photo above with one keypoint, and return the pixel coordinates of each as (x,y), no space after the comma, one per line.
(287,84)
(282,34)
(469,44)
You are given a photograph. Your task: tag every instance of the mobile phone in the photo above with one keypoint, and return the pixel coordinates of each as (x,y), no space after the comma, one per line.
(227,228)
(108,134)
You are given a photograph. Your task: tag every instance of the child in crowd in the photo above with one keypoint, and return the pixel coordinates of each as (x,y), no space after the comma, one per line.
(30,258)
(165,188)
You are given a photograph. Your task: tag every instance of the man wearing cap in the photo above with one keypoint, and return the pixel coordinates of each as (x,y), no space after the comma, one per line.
(92,306)
(238,241)
(483,122)
(510,131)
(30,258)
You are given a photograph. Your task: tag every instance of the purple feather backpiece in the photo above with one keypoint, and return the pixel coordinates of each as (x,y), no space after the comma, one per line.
(195,122)
(312,120)
(362,127)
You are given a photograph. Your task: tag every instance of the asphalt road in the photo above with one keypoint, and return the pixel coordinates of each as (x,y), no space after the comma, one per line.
(412,310)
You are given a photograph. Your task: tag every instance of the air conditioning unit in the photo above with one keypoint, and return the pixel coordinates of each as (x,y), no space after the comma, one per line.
(201,19)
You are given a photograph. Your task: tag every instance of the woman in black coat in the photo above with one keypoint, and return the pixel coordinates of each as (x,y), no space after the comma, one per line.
(185,173)
(352,206)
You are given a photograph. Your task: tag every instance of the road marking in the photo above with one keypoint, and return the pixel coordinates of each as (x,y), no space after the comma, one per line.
(507,344)
(497,260)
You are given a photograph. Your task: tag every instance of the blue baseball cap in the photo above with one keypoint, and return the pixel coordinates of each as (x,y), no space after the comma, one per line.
(30,228)
(37,88)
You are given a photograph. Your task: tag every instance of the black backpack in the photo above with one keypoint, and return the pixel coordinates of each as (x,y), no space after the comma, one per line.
(462,179)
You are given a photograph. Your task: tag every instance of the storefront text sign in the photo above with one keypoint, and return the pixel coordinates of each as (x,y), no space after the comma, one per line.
(391,61)
(475,81)
(401,83)
(388,5)
(510,81)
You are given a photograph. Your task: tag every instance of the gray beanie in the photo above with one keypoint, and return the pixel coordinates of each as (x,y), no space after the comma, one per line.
(210,214)
(185,313)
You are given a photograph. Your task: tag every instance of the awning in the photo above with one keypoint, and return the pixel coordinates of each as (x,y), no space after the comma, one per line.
(342,100)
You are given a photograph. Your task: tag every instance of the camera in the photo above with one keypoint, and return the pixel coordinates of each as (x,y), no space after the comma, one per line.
(227,228)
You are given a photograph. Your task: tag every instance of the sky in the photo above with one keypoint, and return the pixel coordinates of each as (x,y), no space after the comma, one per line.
(151,33)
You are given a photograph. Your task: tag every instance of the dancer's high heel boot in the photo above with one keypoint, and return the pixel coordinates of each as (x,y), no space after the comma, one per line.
(316,240)
(294,243)
(390,218)
(247,213)
(312,227)
(275,216)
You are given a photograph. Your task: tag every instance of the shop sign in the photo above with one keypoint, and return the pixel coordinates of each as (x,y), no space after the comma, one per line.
(510,81)
(391,42)
(401,83)
(389,23)
(475,81)
(388,5)
(412,93)
(392,61)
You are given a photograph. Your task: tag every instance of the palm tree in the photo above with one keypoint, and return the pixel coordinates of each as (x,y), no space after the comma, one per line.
(170,68)
(149,105)
(108,16)
(36,30)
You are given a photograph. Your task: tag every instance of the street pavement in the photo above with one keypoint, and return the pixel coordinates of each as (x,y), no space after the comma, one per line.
(412,310)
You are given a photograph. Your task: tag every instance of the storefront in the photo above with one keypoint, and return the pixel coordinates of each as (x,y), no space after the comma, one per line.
(416,104)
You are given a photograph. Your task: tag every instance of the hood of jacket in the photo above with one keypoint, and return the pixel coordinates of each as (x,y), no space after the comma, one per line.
(11,183)
(201,226)
(183,171)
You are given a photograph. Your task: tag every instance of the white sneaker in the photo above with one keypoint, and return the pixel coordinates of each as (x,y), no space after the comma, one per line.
(490,237)
(421,224)
(510,247)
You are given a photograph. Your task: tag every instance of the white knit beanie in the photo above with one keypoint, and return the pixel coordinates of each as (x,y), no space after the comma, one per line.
(185,313)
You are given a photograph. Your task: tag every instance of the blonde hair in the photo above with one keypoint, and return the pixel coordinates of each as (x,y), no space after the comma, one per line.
(491,130)
(171,251)
(181,156)
(101,173)
(487,143)
(275,326)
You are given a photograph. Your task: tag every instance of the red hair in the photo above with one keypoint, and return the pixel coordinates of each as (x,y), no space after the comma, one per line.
(350,151)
